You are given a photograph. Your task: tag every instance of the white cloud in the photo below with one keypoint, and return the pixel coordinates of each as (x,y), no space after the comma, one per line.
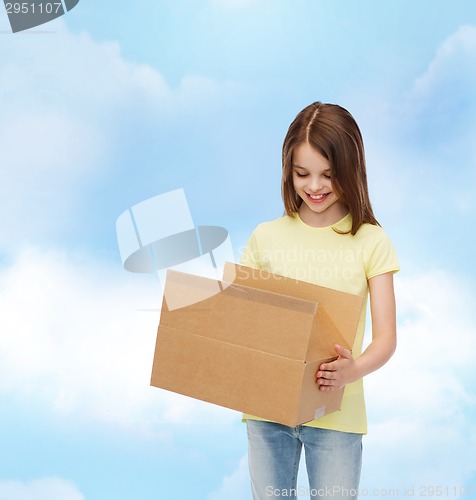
(235,486)
(421,142)
(73,342)
(451,70)
(441,105)
(50,488)
(421,404)
(67,103)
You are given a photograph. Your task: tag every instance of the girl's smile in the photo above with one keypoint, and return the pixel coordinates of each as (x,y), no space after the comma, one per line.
(319,198)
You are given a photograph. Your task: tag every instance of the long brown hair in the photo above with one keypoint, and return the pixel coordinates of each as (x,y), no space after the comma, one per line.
(332,131)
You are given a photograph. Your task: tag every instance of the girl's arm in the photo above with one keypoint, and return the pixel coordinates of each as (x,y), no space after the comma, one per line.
(345,369)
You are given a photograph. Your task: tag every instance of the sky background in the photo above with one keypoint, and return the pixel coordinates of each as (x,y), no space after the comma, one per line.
(108,106)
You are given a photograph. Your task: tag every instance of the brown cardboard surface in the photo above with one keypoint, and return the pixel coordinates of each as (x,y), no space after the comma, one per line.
(252,342)
(334,301)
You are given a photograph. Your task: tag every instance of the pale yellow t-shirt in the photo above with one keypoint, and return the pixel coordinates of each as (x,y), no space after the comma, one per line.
(319,255)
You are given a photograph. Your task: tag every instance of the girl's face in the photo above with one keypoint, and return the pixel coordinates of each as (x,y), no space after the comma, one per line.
(312,179)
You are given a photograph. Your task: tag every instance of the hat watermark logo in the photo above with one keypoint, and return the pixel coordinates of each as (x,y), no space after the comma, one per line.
(158,234)
(26,15)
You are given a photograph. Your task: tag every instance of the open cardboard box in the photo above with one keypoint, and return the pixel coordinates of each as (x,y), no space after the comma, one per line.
(252,342)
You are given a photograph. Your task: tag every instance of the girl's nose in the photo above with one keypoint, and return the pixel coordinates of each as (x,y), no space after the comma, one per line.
(315,184)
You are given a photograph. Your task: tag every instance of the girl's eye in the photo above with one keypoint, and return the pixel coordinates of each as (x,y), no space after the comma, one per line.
(327,176)
(300,175)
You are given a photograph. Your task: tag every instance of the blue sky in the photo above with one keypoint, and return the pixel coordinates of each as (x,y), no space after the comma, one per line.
(107,107)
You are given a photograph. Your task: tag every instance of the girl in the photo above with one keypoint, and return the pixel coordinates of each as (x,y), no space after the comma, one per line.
(330,237)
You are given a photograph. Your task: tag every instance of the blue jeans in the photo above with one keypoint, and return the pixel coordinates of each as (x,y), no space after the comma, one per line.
(333,461)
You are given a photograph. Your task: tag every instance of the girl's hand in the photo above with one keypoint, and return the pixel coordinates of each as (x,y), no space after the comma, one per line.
(345,369)
(334,375)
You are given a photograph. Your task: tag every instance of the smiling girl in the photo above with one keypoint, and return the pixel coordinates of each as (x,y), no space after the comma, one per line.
(330,237)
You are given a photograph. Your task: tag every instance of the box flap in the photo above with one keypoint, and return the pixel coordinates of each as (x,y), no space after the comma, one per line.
(325,336)
(238,312)
(344,308)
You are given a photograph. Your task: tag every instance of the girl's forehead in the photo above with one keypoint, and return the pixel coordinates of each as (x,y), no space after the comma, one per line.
(305,156)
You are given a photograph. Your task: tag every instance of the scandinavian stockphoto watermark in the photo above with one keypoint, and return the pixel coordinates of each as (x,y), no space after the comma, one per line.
(26,15)
(408,491)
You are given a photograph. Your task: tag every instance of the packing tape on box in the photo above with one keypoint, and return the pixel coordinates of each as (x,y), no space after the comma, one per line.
(159,234)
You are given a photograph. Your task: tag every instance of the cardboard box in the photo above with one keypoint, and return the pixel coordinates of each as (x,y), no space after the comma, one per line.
(252,342)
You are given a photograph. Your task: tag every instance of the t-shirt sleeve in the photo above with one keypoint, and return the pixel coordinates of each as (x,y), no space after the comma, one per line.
(250,256)
(382,257)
